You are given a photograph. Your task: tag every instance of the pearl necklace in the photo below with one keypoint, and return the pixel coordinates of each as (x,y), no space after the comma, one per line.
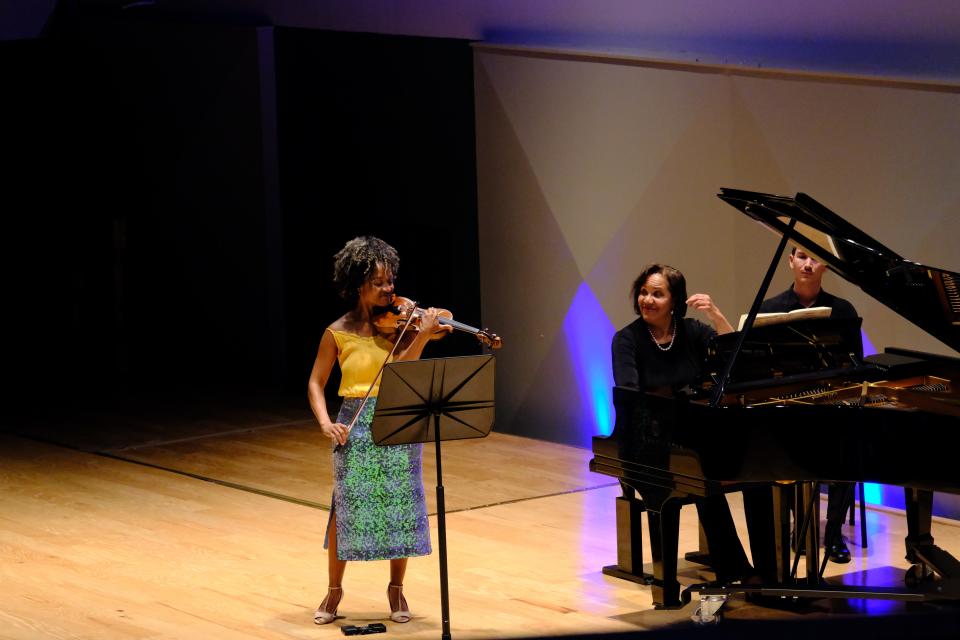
(673,337)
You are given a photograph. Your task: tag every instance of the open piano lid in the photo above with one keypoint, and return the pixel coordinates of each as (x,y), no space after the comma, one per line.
(926,296)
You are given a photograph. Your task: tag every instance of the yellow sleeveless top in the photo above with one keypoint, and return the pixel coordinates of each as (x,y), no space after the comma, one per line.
(360,359)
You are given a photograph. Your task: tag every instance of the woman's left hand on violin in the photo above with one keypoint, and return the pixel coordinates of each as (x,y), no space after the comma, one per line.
(430,322)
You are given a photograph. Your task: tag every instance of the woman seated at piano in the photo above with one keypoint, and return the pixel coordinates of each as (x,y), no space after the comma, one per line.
(664,348)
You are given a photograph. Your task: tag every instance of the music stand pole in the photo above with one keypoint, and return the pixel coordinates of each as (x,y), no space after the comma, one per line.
(442,536)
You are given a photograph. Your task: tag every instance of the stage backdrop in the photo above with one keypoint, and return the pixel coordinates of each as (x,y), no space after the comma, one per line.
(591,167)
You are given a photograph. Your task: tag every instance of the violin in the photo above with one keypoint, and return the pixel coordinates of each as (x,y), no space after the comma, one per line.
(395,316)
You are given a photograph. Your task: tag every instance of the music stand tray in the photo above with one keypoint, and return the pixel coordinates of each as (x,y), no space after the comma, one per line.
(457,393)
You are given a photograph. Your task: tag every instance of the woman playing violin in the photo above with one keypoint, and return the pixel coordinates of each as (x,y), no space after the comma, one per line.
(378,510)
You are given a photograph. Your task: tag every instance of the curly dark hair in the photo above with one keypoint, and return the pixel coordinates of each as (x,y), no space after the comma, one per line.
(676,283)
(357,262)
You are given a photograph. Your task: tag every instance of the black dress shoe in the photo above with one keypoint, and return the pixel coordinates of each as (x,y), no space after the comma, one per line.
(837,551)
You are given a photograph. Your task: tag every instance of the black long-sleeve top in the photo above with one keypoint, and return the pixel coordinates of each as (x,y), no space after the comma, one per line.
(788,301)
(638,363)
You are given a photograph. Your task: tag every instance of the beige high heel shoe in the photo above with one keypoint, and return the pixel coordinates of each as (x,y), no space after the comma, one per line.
(402,612)
(323,614)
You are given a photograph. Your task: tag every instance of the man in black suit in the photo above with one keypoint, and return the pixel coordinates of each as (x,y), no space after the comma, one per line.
(807,291)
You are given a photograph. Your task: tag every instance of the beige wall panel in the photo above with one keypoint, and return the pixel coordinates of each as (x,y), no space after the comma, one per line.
(528,275)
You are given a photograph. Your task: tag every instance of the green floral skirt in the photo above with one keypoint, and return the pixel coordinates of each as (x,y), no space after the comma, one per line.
(378,495)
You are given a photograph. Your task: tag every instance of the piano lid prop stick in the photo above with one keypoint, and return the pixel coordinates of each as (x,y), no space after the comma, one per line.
(722,382)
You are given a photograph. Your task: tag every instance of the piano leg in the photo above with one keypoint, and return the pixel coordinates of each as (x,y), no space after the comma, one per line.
(919,505)
(810,495)
(807,524)
(927,558)
(783,498)
(629,513)
(664,540)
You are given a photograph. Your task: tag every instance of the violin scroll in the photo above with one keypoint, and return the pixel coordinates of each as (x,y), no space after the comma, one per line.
(490,339)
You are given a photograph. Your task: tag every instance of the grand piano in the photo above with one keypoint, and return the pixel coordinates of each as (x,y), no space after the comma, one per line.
(772,395)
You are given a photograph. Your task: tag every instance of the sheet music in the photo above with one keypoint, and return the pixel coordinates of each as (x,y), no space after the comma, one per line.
(765,319)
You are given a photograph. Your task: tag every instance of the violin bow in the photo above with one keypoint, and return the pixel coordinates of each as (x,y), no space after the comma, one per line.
(366,396)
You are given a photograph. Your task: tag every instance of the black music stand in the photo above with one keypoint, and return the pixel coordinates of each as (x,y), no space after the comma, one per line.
(458,394)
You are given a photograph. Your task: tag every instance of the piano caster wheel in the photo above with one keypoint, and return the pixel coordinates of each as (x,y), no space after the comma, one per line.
(710,610)
(917,575)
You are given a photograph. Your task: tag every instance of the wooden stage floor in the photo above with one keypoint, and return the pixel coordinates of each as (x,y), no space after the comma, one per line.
(209,524)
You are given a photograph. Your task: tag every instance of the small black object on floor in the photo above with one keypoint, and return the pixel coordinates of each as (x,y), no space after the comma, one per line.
(362,630)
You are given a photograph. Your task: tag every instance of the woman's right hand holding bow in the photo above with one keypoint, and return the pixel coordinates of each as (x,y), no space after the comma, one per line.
(335,431)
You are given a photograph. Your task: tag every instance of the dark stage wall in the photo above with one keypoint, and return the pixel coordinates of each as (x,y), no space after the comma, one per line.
(174,193)
(376,136)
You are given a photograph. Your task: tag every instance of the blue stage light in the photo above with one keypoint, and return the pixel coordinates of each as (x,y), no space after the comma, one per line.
(589,333)
(868,348)
(873,493)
